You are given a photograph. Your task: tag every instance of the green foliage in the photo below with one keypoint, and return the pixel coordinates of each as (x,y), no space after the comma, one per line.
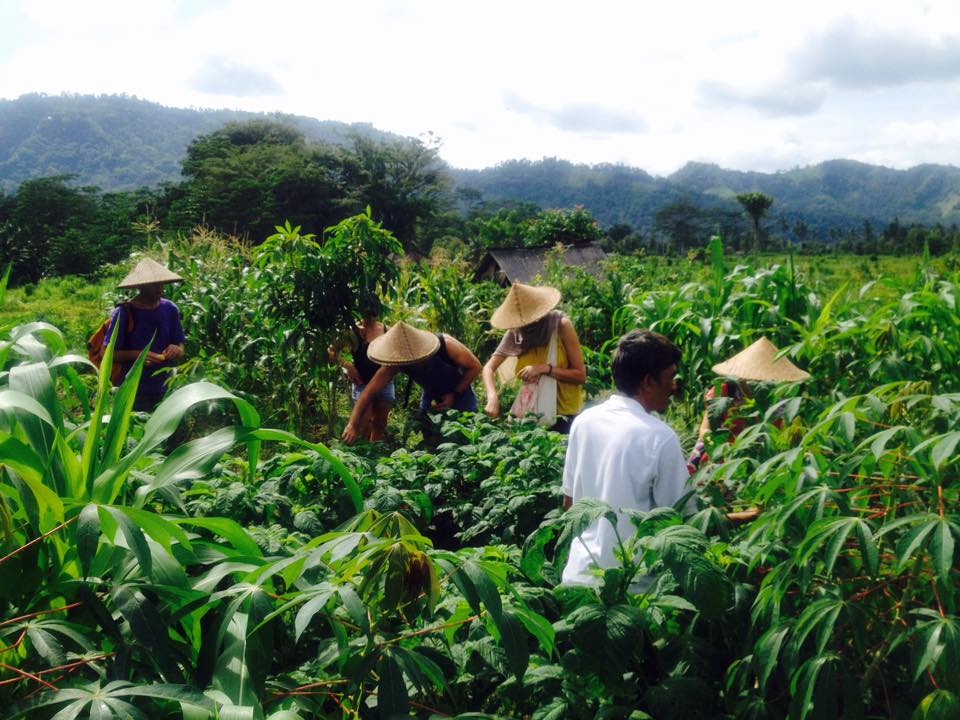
(321,285)
(225,576)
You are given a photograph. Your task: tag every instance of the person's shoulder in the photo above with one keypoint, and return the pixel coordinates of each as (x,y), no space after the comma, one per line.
(169,305)
(599,413)
(665,434)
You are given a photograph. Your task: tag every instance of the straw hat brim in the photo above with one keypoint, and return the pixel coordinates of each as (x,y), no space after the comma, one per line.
(403,345)
(148,272)
(524,305)
(760,363)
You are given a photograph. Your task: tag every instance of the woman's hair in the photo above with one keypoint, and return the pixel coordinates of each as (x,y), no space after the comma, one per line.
(371,305)
(641,353)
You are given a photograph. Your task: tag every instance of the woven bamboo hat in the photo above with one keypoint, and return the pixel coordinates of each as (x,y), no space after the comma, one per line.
(148,272)
(403,345)
(760,362)
(523,305)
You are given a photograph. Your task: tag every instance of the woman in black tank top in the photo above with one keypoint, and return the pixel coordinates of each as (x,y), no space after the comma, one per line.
(442,365)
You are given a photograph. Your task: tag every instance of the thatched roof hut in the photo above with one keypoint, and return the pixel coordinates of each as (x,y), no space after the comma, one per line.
(509,265)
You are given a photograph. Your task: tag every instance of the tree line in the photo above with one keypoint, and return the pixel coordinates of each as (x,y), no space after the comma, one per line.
(245,177)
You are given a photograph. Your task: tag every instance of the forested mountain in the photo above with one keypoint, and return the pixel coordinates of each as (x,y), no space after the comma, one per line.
(117,142)
(121,143)
(839,194)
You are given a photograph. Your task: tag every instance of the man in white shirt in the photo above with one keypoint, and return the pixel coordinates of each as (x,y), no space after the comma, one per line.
(619,453)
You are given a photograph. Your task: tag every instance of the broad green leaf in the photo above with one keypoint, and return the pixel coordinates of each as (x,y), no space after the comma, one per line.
(804,682)
(485,589)
(938,705)
(88,535)
(392,699)
(910,542)
(513,639)
(162,425)
(682,550)
(943,451)
(226,528)
(610,636)
(46,645)
(115,436)
(538,626)
(355,608)
(423,672)
(27,471)
(942,549)
(338,467)
(148,628)
(134,537)
(819,618)
(767,651)
(314,605)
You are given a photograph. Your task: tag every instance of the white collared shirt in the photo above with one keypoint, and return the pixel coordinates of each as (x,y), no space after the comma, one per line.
(623,455)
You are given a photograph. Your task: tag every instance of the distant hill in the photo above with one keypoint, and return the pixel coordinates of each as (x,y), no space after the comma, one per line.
(841,189)
(833,194)
(121,143)
(117,142)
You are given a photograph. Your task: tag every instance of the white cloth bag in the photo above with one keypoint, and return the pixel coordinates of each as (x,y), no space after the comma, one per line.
(540,396)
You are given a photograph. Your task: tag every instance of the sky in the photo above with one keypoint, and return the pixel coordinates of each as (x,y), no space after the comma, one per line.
(761,86)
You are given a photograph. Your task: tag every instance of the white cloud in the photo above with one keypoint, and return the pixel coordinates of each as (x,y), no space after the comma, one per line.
(753,85)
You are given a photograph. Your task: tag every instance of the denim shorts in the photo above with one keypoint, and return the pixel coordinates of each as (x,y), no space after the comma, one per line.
(465,401)
(389,393)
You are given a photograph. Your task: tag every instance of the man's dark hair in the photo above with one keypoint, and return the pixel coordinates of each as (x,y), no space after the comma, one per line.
(640,353)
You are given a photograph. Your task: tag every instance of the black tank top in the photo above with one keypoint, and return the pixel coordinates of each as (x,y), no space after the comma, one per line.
(438,373)
(364,365)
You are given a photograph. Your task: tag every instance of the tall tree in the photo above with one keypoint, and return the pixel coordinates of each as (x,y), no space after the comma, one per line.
(405,183)
(755,204)
(244,177)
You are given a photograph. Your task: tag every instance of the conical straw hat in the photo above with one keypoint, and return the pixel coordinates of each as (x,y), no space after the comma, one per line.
(148,272)
(760,362)
(403,345)
(523,305)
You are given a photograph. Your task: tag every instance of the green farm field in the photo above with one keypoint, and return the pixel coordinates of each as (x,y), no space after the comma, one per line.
(227,557)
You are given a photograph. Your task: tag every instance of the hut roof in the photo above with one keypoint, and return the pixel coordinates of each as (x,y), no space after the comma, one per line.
(509,265)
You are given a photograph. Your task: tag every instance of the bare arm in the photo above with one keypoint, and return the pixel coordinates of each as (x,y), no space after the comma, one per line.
(461,355)
(575,373)
(378,382)
(489,371)
(704,426)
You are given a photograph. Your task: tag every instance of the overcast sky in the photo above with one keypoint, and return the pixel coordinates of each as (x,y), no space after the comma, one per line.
(653,84)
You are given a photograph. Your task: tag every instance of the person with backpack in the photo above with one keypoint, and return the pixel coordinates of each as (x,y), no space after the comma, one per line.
(442,365)
(147,318)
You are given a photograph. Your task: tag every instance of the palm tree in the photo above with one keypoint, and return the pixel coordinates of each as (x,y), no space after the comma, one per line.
(755,204)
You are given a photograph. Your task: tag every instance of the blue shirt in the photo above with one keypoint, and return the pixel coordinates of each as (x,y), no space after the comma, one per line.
(161,323)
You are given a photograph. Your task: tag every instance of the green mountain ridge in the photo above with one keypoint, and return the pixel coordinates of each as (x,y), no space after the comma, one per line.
(121,142)
(118,142)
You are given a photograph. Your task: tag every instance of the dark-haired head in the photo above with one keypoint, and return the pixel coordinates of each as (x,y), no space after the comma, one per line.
(370,305)
(643,356)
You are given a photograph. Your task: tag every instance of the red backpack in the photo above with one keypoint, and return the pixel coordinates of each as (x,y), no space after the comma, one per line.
(96,344)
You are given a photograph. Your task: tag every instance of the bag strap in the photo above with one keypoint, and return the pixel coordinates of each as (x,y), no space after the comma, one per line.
(443,349)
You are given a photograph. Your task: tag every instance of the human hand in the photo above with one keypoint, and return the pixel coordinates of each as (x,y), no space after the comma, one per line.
(445,401)
(173,352)
(744,515)
(349,434)
(493,406)
(532,372)
(154,358)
